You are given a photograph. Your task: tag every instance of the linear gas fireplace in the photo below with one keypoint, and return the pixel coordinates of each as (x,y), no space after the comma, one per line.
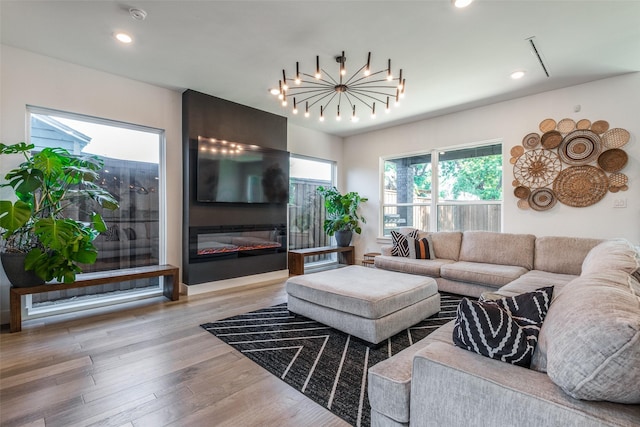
(218,243)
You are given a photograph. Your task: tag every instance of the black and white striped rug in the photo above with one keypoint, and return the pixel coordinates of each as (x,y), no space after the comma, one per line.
(326,365)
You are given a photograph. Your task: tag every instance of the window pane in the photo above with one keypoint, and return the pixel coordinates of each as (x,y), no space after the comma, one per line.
(306,207)
(131,174)
(407,180)
(471,174)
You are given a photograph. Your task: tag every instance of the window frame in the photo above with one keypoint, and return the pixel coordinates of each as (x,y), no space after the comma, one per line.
(29,312)
(435,201)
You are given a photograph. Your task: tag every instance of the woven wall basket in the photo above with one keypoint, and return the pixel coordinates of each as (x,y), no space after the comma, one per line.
(581,186)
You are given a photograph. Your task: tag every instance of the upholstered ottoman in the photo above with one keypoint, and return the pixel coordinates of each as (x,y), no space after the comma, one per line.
(368,303)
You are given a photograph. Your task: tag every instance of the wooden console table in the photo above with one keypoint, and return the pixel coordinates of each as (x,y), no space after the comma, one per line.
(346,255)
(171,287)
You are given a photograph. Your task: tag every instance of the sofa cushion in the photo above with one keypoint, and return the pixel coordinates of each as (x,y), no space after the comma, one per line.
(616,254)
(533,280)
(591,338)
(390,380)
(401,246)
(498,248)
(446,244)
(486,274)
(505,329)
(426,267)
(562,255)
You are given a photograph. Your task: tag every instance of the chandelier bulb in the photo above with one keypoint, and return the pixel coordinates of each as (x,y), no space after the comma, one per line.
(318,75)
(321,113)
(400,80)
(367,68)
(295,106)
(306,110)
(389,75)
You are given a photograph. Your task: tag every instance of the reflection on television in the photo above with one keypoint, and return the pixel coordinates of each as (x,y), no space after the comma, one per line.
(231,172)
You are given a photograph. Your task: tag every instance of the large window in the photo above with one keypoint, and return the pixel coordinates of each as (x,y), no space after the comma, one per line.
(463,187)
(133,174)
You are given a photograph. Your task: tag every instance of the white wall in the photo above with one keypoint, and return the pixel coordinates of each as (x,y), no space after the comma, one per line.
(27,78)
(616,100)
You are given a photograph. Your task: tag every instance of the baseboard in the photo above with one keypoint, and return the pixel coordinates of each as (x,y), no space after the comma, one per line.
(236,282)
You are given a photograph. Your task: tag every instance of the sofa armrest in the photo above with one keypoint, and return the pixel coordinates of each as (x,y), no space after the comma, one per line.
(386,250)
(455,387)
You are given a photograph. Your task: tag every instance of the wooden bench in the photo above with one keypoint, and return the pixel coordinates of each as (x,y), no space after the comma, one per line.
(346,255)
(171,287)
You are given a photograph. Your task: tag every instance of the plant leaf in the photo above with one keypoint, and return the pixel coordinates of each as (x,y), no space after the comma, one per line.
(13,215)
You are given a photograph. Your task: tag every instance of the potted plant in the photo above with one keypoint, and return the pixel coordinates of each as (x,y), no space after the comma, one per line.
(342,214)
(35,226)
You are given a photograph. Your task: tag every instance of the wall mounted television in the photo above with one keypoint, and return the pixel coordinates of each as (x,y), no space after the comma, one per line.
(233,172)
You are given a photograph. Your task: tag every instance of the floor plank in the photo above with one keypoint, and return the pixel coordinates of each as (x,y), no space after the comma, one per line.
(146,363)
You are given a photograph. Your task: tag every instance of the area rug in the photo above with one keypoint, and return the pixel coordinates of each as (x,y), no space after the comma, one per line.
(326,365)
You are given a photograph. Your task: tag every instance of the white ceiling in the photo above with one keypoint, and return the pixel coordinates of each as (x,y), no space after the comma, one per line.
(453,59)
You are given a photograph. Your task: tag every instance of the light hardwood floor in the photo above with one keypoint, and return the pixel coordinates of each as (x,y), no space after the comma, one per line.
(146,364)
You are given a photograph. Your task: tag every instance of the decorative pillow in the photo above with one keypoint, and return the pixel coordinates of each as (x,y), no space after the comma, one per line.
(591,338)
(505,329)
(422,248)
(400,243)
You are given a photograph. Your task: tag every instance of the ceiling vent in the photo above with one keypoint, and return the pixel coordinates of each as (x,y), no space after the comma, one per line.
(536,52)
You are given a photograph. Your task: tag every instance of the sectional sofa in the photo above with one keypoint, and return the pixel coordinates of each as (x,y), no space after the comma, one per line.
(586,367)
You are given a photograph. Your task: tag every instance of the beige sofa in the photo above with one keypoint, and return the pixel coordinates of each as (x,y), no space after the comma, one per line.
(587,360)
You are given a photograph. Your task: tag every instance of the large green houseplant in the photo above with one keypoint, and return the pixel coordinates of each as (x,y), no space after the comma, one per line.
(46,185)
(342,218)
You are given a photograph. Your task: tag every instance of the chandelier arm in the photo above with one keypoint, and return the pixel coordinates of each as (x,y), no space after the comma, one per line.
(348,81)
(320,99)
(298,91)
(384,101)
(365,92)
(324,73)
(320,95)
(362,100)
(367,83)
(317,80)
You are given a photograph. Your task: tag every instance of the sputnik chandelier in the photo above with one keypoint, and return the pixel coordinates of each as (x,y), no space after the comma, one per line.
(343,93)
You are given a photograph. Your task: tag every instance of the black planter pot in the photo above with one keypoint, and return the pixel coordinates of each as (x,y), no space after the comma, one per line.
(13,264)
(343,237)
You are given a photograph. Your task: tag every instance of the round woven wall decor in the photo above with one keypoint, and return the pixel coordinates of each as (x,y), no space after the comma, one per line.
(613,160)
(537,168)
(581,186)
(547,125)
(521,192)
(579,147)
(615,138)
(551,139)
(542,199)
(600,126)
(566,125)
(531,141)
(583,124)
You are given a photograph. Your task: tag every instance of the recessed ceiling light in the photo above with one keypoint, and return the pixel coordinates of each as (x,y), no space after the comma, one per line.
(123,38)
(461,3)
(518,74)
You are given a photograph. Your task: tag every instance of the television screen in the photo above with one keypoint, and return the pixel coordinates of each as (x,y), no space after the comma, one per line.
(232,172)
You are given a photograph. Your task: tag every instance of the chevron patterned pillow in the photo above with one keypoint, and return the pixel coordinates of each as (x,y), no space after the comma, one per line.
(400,243)
(505,329)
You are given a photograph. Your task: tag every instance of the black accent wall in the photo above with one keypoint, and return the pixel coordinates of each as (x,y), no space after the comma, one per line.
(205,115)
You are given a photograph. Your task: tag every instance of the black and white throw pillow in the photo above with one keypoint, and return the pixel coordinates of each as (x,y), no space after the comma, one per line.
(505,329)
(400,243)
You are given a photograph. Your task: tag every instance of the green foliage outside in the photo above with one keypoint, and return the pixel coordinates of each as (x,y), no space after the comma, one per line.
(474,178)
